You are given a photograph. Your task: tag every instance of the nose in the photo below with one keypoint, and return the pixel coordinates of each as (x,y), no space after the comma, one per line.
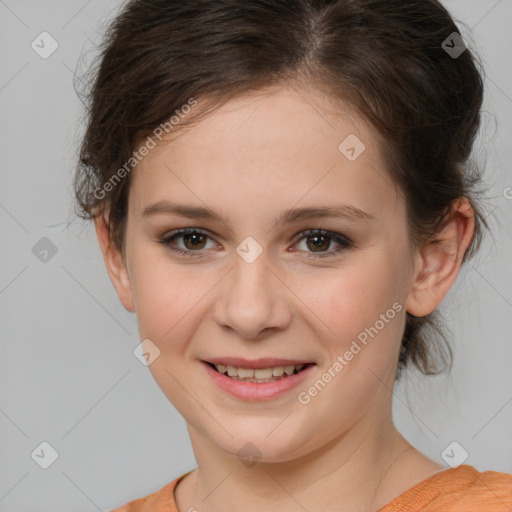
(253,299)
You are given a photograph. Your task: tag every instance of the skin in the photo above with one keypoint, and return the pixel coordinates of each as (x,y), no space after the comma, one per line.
(252,158)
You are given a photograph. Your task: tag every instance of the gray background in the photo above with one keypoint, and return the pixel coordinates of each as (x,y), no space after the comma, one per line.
(68,375)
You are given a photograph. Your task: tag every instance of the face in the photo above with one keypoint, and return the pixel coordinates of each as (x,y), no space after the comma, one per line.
(254,281)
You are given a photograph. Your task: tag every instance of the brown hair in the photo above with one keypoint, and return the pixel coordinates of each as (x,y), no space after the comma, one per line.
(384,57)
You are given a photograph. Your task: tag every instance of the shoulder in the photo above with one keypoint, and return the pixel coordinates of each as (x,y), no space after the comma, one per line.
(159,501)
(483,491)
(460,489)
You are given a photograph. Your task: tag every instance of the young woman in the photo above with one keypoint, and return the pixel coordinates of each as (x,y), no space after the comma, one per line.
(280,193)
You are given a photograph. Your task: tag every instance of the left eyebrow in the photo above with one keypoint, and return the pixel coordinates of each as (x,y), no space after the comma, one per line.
(342,211)
(293,215)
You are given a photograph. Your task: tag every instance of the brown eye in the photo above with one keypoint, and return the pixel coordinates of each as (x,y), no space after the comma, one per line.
(193,241)
(318,241)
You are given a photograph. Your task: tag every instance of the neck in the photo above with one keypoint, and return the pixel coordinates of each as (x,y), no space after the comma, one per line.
(352,470)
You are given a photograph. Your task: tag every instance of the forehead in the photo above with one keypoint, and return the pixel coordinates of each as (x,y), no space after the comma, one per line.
(272,149)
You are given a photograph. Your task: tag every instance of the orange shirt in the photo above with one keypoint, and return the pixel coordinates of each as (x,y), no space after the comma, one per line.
(460,489)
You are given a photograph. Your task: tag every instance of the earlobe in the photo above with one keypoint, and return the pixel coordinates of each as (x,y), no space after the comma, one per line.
(439,262)
(114,263)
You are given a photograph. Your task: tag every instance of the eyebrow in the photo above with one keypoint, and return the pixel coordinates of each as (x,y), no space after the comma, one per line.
(290,216)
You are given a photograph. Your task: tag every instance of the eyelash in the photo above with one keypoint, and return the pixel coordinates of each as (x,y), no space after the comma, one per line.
(344,243)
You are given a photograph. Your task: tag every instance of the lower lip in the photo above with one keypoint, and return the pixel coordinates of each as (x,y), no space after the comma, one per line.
(255,390)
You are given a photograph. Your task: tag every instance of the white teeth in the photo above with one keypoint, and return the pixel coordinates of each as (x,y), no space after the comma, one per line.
(289,369)
(246,373)
(260,373)
(263,374)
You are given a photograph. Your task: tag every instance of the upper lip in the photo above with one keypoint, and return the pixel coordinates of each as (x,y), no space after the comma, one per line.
(264,362)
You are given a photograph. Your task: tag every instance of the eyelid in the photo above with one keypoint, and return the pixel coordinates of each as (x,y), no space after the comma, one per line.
(320,232)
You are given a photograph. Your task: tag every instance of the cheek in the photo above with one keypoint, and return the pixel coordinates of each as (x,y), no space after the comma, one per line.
(362,307)
(349,299)
(169,309)
(166,295)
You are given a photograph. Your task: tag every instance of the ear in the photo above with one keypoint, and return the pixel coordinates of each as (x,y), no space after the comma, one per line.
(114,262)
(439,262)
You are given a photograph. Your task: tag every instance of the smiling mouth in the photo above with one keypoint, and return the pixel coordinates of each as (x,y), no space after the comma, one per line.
(259,375)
